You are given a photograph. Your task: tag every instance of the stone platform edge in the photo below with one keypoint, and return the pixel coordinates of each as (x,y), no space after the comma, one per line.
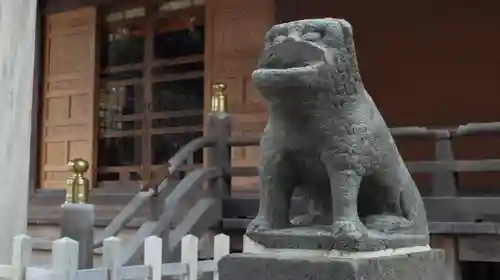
(252,247)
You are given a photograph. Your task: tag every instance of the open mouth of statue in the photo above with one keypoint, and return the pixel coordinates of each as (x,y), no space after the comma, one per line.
(291,57)
(289,69)
(279,64)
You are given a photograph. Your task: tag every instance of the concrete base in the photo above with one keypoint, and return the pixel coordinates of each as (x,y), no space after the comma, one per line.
(18,157)
(428,265)
(77,223)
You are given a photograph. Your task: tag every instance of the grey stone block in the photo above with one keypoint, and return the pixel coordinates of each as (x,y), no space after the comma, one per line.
(77,223)
(427,265)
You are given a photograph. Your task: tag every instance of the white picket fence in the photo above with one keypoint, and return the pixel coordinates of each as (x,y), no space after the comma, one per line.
(65,261)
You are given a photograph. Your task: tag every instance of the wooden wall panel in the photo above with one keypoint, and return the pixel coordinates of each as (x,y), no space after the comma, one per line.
(429,63)
(68,129)
(235,31)
(416,58)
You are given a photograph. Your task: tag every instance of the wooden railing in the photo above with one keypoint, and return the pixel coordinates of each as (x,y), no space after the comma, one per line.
(440,167)
(166,198)
(449,211)
(444,165)
(153,189)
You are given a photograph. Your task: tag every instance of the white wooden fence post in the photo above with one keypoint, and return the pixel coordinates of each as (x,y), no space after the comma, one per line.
(153,257)
(65,259)
(221,249)
(189,256)
(112,256)
(21,255)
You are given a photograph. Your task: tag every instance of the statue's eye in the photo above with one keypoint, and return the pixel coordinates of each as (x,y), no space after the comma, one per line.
(312,36)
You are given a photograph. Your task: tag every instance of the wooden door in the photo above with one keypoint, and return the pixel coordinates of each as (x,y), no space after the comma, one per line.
(236,30)
(69,108)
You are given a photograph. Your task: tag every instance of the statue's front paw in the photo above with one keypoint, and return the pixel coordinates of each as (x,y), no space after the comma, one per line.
(306,220)
(349,235)
(353,229)
(387,223)
(259,224)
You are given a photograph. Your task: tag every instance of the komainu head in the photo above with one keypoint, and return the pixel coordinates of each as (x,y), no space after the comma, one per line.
(307,51)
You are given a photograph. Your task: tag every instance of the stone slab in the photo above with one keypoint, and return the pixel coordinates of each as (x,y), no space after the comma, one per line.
(428,265)
(321,238)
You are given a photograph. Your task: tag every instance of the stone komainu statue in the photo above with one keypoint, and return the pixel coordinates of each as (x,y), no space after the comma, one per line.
(326,139)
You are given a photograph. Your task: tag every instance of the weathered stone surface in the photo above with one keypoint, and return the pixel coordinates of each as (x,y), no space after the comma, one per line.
(322,238)
(77,223)
(17,44)
(326,138)
(415,266)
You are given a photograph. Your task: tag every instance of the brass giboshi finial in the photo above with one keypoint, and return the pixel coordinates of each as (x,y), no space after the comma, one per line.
(219,102)
(78,186)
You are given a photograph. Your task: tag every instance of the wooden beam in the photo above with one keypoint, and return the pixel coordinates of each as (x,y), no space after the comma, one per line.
(479,248)
(464,209)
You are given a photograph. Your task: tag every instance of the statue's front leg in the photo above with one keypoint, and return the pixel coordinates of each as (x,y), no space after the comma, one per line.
(344,185)
(277,184)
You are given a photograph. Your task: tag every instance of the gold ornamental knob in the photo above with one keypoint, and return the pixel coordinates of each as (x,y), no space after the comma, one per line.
(219,88)
(78,187)
(79,165)
(219,98)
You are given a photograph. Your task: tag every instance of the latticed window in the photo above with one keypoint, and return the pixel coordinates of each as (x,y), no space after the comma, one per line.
(152,80)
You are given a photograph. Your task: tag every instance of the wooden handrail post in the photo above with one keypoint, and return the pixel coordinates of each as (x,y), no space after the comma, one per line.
(218,125)
(444,180)
(77,216)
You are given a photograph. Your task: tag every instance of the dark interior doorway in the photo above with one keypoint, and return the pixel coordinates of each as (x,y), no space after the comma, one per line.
(480,270)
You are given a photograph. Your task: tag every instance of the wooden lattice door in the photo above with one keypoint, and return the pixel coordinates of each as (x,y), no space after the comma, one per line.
(69,116)
(151,98)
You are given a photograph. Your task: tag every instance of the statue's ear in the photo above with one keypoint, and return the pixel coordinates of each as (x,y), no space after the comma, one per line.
(347,35)
(276,30)
(345,25)
(346,32)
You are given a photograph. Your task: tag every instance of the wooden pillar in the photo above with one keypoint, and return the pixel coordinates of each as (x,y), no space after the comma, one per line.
(235,31)
(450,246)
(219,125)
(17,50)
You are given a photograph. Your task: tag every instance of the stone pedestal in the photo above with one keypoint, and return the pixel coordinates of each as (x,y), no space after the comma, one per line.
(77,223)
(425,265)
